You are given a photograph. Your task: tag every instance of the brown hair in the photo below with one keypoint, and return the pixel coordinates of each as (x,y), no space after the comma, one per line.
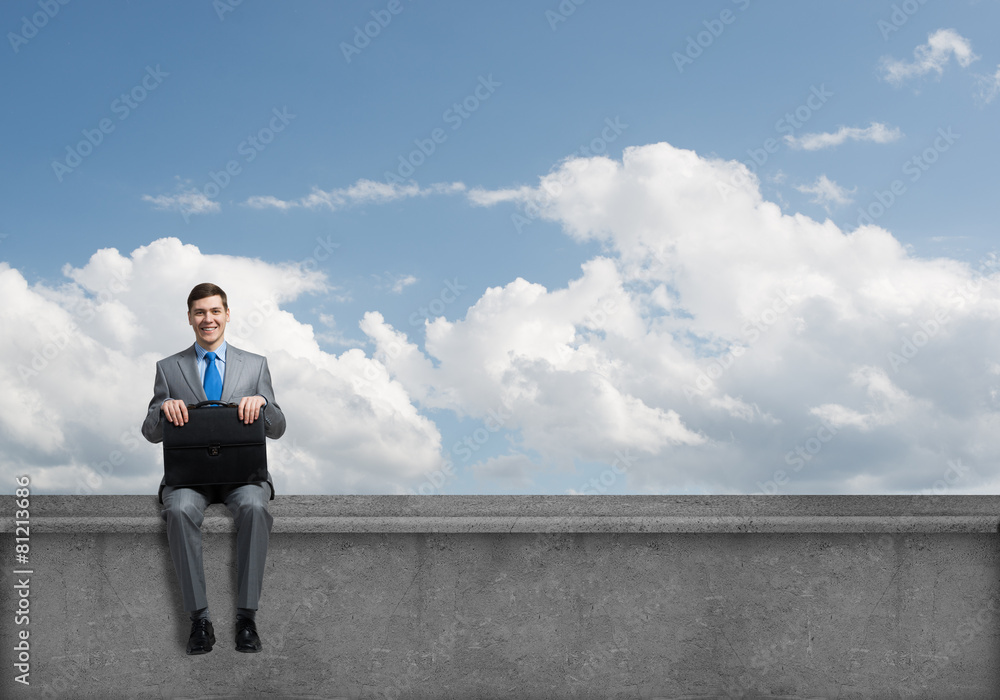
(205,290)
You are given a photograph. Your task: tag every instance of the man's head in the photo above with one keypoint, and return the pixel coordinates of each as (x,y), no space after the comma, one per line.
(208,314)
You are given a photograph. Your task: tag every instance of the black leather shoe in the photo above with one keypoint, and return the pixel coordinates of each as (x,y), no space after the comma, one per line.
(246,637)
(202,637)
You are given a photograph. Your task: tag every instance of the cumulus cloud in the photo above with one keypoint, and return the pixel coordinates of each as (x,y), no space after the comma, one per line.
(931,57)
(737,332)
(361,192)
(78,374)
(826,192)
(715,345)
(522,360)
(876,132)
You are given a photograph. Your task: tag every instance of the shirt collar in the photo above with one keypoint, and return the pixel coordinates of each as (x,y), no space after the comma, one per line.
(220,352)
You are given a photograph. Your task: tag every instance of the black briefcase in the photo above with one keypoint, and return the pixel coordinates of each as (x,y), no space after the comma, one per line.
(214,447)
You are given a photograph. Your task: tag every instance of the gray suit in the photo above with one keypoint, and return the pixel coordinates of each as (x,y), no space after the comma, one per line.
(177,377)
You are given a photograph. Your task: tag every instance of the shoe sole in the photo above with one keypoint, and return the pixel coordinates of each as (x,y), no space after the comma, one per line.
(197,652)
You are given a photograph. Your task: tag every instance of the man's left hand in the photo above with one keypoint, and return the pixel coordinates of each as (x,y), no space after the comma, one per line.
(250,406)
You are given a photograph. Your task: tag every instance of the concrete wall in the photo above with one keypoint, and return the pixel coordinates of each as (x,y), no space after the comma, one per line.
(523,597)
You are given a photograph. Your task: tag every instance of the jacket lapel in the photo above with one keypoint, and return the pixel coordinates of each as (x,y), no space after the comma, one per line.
(234,370)
(188,366)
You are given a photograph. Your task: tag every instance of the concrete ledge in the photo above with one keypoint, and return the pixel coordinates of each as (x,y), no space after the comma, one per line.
(467,597)
(526,514)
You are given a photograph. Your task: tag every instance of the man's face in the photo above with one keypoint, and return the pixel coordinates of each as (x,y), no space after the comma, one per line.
(209,319)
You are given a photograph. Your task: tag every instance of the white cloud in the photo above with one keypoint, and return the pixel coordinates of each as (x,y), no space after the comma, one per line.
(931,57)
(825,192)
(988,86)
(887,403)
(521,358)
(402,283)
(875,132)
(269,202)
(486,198)
(361,192)
(716,341)
(78,374)
(736,330)
(188,201)
(395,283)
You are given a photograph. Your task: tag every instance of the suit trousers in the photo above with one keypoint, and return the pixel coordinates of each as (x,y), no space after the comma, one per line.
(184,511)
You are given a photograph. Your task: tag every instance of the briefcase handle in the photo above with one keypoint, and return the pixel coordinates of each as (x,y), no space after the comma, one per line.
(202,404)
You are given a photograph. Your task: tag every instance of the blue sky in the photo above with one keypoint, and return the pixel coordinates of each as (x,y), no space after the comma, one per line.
(394,160)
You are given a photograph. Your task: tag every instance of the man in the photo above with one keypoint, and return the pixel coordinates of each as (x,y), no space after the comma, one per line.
(213,369)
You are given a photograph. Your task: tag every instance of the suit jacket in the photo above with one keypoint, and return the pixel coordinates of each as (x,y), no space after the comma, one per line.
(177,378)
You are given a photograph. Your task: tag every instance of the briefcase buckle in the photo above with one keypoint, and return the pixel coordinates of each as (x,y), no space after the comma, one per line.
(214,450)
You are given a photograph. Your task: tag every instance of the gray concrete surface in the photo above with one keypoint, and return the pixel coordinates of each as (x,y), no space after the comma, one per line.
(524,597)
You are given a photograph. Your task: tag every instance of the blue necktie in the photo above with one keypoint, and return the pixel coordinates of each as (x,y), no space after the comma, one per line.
(213,381)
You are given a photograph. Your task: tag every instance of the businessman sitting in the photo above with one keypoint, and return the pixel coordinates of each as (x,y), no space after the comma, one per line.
(213,369)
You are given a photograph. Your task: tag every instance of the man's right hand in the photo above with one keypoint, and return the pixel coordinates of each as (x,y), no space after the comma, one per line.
(176,411)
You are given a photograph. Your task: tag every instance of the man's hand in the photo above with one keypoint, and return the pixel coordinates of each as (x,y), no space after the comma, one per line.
(176,411)
(249,410)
